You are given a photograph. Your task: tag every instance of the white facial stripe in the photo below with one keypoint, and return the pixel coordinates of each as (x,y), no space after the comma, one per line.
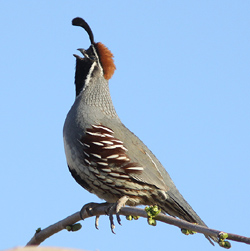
(88,76)
(97,57)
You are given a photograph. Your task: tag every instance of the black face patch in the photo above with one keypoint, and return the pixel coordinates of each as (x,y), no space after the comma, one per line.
(83,66)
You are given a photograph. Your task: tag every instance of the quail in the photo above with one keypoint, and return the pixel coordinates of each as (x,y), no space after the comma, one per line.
(105,157)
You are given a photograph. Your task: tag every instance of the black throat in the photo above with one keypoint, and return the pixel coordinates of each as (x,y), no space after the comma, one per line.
(83,66)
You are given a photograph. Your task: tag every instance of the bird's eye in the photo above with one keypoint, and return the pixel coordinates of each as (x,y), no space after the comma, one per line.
(93,57)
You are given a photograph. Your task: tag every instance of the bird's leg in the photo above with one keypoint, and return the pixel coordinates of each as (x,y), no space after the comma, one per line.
(115,208)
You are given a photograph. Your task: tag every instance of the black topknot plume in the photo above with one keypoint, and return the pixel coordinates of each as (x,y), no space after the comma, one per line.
(82,23)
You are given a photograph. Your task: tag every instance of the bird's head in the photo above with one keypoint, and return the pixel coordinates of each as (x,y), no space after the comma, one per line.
(97,61)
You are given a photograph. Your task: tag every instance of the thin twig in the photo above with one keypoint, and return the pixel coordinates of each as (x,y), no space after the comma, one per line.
(39,237)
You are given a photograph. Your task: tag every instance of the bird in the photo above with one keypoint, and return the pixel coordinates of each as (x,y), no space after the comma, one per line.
(102,154)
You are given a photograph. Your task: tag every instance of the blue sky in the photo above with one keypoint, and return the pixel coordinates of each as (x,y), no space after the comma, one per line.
(182,85)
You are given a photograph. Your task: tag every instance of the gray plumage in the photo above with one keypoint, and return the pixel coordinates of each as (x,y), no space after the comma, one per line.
(103,155)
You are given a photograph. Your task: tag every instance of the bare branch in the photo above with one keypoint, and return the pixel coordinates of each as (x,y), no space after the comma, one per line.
(101,209)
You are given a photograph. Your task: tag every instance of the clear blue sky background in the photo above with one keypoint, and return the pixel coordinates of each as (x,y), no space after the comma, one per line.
(182,85)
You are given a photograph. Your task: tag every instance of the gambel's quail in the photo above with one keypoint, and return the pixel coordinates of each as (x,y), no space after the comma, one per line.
(105,157)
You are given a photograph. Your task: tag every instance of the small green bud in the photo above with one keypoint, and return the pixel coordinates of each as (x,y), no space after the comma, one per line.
(136,217)
(223,235)
(152,211)
(76,227)
(185,231)
(151,221)
(129,217)
(225,244)
(38,230)
(155,208)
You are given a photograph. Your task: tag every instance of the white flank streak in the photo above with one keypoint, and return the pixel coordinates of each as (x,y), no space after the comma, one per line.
(122,158)
(80,142)
(117,141)
(98,143)
(113,156)
(118,146)
(102,163)
(136,168)
(104,128)
(107,142)
(86,153)
(124,148)
(96,155)
(87,161)
(115,174)
(95,134)
(154,164)
(106,170)
(108,135)
(109,147)
(86,145)
(124,176)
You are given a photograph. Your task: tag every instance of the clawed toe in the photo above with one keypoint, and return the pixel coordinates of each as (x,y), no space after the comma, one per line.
(97,222)
(87,209)
(113,208)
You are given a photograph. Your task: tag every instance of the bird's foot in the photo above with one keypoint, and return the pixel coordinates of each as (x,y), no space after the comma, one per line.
(88,208)
(112,208)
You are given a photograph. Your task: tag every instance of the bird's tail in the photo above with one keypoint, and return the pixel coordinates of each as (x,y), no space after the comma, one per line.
(177,206)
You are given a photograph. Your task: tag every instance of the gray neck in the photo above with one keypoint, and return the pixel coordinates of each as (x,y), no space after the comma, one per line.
(98,95)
